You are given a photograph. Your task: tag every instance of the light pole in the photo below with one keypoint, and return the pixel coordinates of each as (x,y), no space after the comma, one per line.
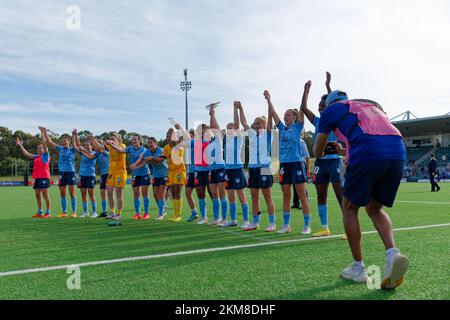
(186,86)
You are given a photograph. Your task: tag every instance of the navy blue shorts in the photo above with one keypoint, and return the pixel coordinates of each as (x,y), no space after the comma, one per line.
(327,170)
(67,179)
(258,181)
(378,180)
(190,180)
(139,181)
(103,179)
(217,176)
(201,178)
(41,183)
(156,182)
(235,179)
(86,182)
(293,173)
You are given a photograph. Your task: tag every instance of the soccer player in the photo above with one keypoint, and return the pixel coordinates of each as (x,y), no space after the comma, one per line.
(66,168)
(235,181)
(327,168)
(260,175)
(103,162)
(141,177)
(432,171)
(292,166)
(86,173)
(217,163)
(174,154)
(154,157)
(188,143)
(375,167)
(117,176)
(41,176)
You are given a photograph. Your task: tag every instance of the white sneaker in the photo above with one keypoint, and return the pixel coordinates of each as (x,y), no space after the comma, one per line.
(94,215)
(161,217)
(306,231)
(222,223)
(230,224)
(396,267)
(110,216)
(215,222)
(285,229)
(84,215)
(245,225)
(203,221)
(251,227)
(355,273)
(116,217)
(271,228)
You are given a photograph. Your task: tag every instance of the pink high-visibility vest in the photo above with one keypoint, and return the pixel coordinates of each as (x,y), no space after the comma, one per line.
(41,169)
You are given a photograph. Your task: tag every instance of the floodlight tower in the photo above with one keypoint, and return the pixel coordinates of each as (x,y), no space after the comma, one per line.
(186,86)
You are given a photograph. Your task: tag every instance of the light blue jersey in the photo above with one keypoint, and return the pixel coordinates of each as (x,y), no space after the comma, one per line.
(87,166)
(103,162)
(66,160)
(215,154)
(191,156)
(331,138)
(159,170)
(134,156)
(233,149)
(290,147)
(259,148)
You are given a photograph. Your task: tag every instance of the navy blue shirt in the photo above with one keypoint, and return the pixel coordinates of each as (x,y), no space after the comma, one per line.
(363,147)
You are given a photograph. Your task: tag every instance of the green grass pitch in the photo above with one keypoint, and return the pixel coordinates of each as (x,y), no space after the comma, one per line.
(302,270)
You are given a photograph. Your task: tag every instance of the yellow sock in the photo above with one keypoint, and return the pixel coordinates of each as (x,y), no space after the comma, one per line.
(175,207)
(113,210)
(119,212)
(180,206)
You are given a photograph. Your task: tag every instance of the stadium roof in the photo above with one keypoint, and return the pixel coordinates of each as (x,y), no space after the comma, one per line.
(424,126)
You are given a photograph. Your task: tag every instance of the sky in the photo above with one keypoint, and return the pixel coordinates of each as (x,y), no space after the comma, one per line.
(121,69)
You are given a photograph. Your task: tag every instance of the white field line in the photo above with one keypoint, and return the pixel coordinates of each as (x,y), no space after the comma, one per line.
(199,251)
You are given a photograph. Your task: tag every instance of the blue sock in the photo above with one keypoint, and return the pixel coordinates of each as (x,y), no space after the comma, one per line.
(94,206)
(255,218)
(323,215)
(194,212)
(216,208)
(161,205)
(146,204)
(137,206)
(64,204)
(47,211)
(224,203)
(104,205)
(233,210)
(287,218)
(73,201)
(39,211)
(85,207)
(244,207)
(271,219)
(202,205)
(307,219)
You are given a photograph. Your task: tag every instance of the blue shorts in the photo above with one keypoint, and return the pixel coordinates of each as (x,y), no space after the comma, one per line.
(217,176)
(327,170)
(201,178)
(190,180)
(103,179)
(67,179)
(258,181)
(41,183)
(378,180)
(86,182)
(293,173)
(235,179)
(156,182)
(139,181)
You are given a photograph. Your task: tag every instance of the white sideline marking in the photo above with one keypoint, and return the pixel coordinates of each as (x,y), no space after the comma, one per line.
(189,252)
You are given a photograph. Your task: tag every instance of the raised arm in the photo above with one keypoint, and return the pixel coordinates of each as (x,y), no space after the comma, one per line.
(186,136)
(116,146)
(272,112)
(328,82)
(47,139)
(304,106)
(213,124)
(269,121)
(22,148)
(236,121)
(242,117)
(76,140)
